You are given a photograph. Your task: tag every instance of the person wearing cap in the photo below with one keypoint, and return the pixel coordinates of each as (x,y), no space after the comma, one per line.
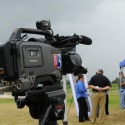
(99,84)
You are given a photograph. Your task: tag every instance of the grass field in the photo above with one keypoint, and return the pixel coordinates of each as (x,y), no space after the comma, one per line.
(10,115)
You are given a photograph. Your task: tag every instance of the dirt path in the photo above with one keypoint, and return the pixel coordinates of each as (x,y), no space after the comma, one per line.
(6,96)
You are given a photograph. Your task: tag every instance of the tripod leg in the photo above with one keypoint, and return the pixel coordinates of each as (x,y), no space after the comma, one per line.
(43,121)
(65,120)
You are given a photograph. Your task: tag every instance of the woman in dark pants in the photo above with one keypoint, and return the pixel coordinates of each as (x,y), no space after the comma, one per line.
(83,110)
(81,98)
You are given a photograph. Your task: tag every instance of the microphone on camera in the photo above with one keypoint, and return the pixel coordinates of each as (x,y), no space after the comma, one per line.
(84,40)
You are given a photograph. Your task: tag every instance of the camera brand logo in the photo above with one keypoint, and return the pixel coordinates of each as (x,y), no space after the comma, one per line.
(34,61)
(57,60)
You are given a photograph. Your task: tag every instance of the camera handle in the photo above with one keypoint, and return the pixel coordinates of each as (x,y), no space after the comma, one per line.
(17,33)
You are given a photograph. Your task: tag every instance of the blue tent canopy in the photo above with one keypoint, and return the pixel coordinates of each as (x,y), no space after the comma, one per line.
(122,64)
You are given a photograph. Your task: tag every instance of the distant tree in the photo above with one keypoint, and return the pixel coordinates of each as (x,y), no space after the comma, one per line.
(115,81)
(67,82)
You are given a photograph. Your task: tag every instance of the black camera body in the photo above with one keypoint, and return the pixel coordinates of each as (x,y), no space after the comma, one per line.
(33,68)
(25,62)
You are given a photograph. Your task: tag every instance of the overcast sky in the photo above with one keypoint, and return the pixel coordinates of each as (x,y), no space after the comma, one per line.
(101,20)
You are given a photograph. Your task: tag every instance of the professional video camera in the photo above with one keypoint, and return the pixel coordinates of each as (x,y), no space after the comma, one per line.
(32,69)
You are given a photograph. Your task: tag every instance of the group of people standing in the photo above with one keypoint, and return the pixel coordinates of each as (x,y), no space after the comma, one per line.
(99,84)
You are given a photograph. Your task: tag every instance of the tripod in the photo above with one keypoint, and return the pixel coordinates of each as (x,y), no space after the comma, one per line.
(46,105)
(65,121)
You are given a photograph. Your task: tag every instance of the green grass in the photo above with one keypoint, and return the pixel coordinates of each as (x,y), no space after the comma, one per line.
(114,96)
(10,115)
(6,101)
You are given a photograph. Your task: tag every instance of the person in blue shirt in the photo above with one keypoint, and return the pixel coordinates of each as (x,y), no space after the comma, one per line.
(81,98)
